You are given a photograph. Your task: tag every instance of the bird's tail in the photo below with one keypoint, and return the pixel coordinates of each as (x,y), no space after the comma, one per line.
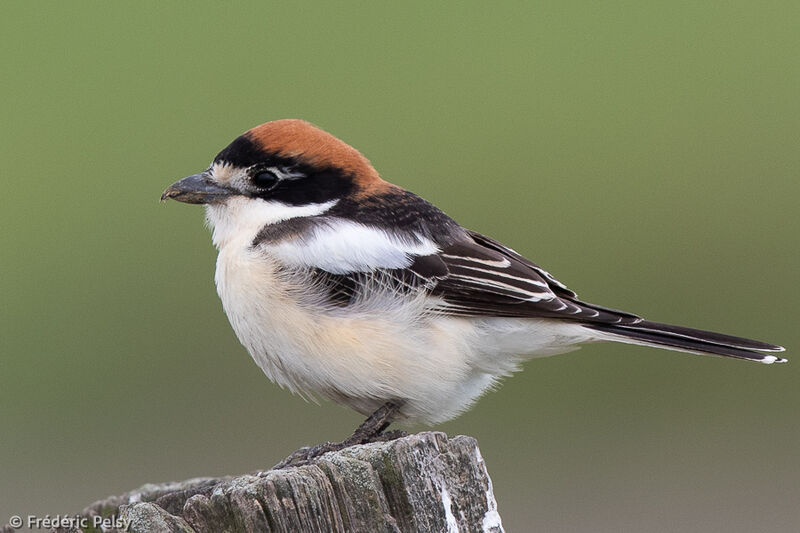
(689,340)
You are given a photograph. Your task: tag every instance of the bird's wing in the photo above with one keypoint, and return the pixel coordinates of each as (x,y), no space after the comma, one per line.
(475,276)
(487,278)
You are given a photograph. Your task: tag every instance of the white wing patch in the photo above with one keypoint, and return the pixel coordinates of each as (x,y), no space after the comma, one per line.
(341,246)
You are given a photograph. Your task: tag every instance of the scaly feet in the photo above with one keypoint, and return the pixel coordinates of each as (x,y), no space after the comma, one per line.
(372,430)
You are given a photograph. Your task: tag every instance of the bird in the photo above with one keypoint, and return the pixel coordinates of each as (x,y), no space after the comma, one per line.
(344,286)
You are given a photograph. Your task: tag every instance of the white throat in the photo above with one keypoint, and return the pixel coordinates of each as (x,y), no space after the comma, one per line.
(242,218)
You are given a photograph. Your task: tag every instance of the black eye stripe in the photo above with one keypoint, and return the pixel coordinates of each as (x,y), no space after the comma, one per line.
(318,186)
(293,182)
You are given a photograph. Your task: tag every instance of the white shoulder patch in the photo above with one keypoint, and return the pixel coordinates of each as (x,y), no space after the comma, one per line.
(343,246)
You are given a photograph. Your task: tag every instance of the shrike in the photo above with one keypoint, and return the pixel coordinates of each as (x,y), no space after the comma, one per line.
(345,286)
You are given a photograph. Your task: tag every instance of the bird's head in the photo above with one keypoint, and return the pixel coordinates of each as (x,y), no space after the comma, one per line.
(277,171)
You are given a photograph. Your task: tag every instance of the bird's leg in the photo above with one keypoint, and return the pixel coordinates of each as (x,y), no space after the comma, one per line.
(371,430)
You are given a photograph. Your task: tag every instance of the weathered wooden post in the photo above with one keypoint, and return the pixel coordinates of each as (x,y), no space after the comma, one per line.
(420,483)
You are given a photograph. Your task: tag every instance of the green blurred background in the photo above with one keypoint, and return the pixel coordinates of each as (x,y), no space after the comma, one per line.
(646,154)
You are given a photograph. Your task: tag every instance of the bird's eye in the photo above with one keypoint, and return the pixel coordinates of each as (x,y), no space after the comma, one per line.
(265,179)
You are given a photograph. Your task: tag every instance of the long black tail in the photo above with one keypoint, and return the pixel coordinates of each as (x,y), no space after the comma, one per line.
(690,340)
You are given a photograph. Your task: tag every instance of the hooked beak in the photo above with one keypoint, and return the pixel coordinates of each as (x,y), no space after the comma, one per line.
(197,189)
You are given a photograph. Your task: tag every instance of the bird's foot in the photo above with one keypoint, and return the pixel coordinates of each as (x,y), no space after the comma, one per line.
(372,430)
(386,436)
(306,454)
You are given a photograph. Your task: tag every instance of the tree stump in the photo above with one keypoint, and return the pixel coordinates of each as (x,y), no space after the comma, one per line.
(420,483)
